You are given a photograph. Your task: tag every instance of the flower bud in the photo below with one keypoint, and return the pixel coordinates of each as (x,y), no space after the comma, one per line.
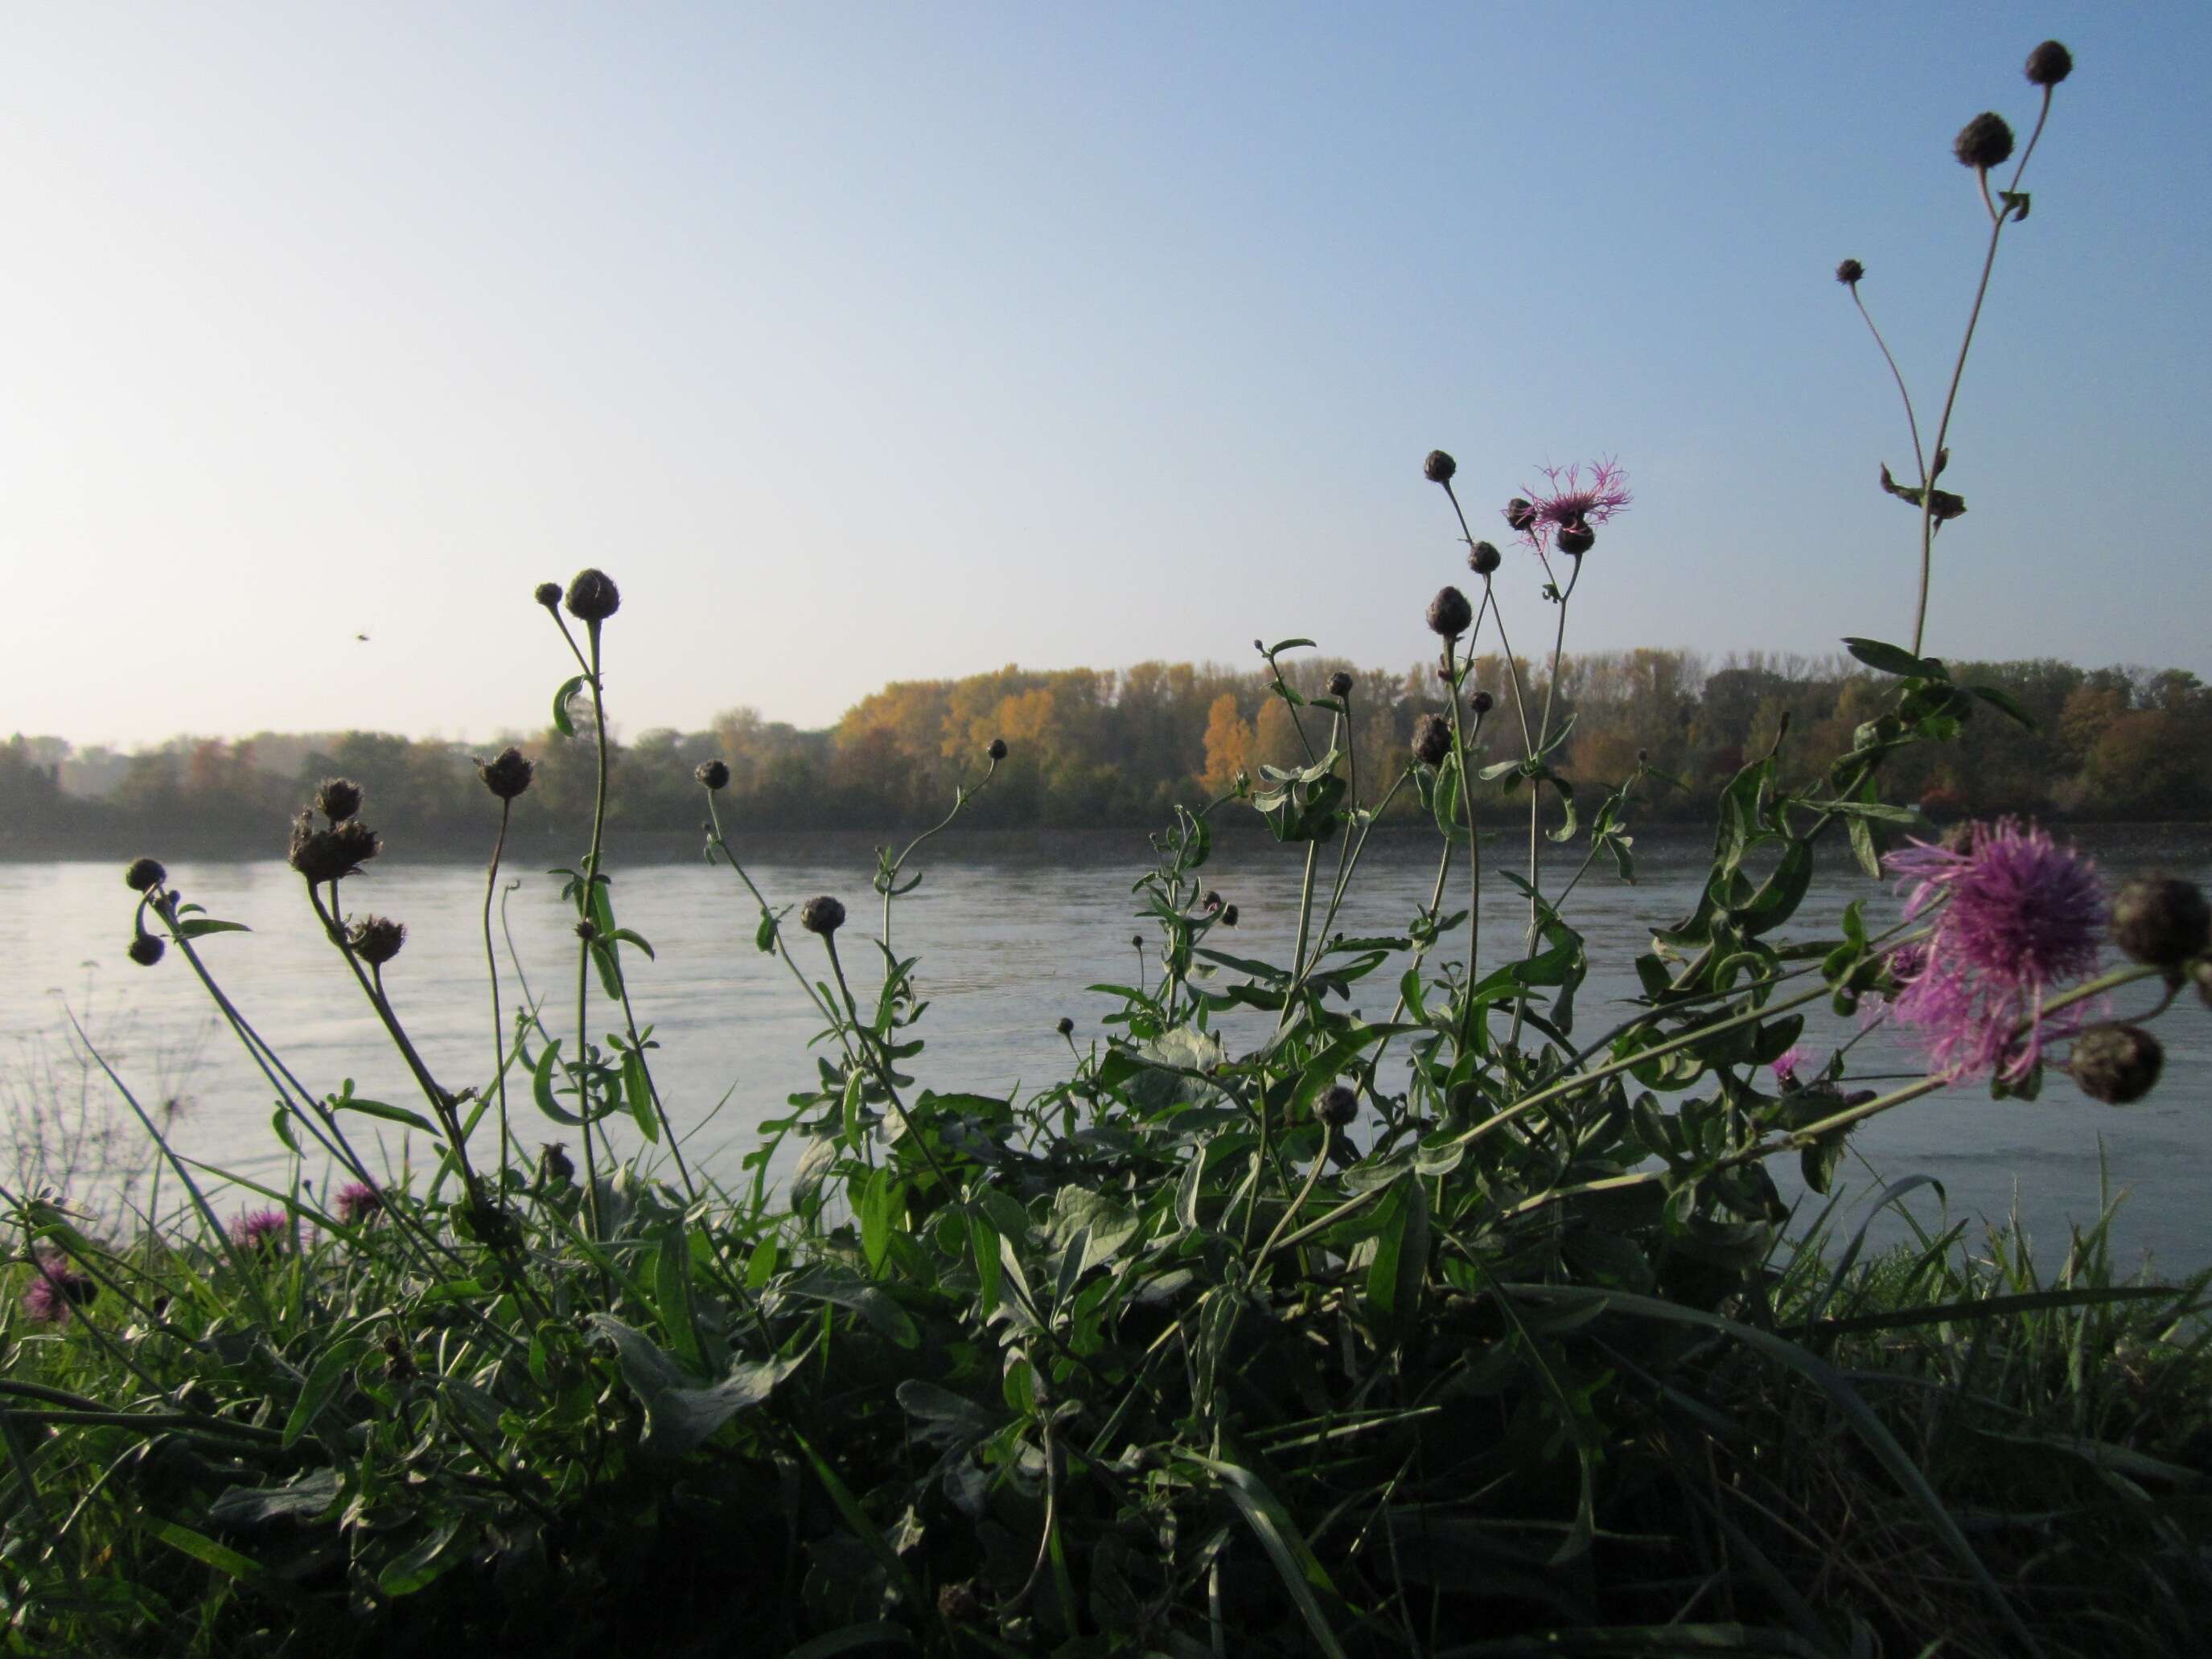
(1577,539)
(146,950)
(2050,63)
(1520,512)
(548,595)
(1438,468)
(1338,1107)
(1850,272)
(713,774)
(997,751)
(593,596)
(586,929)
(2116,1064)
(337,798)
(1483,559)
(1983,142)
(1228,915)
(2161,920)
(823,915)
(1210,900)
(507,773)
(1432,740)
(1138,940)
(1482,702)
(145,873)
(1066,1027)
(1449,613)
(377,940)
(1339,684)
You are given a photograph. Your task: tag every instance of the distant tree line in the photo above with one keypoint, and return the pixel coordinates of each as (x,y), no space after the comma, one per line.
(1091,746)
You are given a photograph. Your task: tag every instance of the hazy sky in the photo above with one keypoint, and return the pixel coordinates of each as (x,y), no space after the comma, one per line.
(860,342)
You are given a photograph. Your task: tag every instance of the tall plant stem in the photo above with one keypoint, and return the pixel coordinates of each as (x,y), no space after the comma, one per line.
(491,967)
(584,946)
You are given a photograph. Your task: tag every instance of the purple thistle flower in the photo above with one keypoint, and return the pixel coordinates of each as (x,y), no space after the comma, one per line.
(2021,914)
(358,1202)
(1568,503)
(1786,1065)
(55,1288)
(261,1230)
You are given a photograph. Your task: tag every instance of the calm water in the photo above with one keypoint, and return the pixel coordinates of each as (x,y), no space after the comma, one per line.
(1010,930)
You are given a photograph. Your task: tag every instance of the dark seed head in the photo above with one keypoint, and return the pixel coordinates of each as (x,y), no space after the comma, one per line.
(1849,273)
(593,596)
(1066,1027)
(145,873)
(1338,1107)
(823,915)
(2116,1064)
(713,774)
(337,798)
(377,940)
(2159,920)
(1983,142)
(146,950)
(1520,513)
(1339,684)
(997,751)
(586,930)
(1210,901)
(326,856)
(2050,63)
(553,1164)
(1482,702)
(507,773)
(1483,559)
(1138,940)
(1432,740)
(1577,539)
(1439,467)
(1228,915)
(548,595)
(1449,613)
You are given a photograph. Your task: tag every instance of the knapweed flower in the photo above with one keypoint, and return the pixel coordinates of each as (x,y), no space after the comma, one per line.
(145,873)
(357,1202)
(55,1288)
(507,773)
(261,1231)
(1569,503)
(1787,1065)
(2021,914)
(328,855)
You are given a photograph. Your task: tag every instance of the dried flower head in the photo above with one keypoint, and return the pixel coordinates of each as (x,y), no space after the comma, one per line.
(1066,1026)
(2116,1064)
(2019,915)
(1484,559)
(326,856)
(1569,503)
(1138,940)
(56,1287)
(260,1231)
(145,950)
(548,595)
(507,773)
(1338,1107)
(145,873)
(1339,684)
(997,751)
(1983,142)
(1850,272)
(1438,468)
(1432,740)
(1449,613)
(2161,919)
(2049,64)
(554,1166)
(1228,915)
(593,596)
(713,774)
(823,915)
(1482,702)
(359,1202)
(376,939)
(337,798)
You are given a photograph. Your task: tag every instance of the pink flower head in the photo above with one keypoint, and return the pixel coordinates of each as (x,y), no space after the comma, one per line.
(1786,1065)
(357,1202)
(259,1230)
(55,1288)
(1567,502)
(2020,915)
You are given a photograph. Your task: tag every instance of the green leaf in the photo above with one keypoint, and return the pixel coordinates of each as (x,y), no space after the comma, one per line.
(1281,645)
(1895,660)
(323,1379)
(2004,702)
(637,1090)
(201,925)
(626,937)
(389,1113)
(1401,1263)
(426,1563)
(823,1282)
(302,1500)
(1295,1563)
(680,1415)
(570,687)
(541,1085)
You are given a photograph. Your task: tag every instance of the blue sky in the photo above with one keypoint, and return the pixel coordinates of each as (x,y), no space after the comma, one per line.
(903,342)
